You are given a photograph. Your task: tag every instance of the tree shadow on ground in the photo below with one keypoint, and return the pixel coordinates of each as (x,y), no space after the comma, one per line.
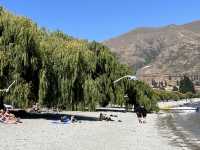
(49,116)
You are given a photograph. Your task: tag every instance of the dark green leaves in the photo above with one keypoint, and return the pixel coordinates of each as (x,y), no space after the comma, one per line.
(57,70)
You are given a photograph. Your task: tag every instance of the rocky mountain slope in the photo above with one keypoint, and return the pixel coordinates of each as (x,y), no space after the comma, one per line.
(169,49)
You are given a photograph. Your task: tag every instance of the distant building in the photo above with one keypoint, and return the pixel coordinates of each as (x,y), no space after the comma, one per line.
(169,81)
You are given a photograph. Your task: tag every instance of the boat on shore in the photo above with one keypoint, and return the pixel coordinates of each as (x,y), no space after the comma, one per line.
(183,109)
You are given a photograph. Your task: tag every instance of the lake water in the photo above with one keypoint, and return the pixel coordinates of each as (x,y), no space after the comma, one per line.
(182,129)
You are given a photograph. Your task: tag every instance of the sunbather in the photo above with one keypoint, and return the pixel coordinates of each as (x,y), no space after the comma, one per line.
(104,117)
(2,118)
(7,117)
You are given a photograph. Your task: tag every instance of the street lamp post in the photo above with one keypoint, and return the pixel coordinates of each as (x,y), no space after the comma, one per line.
(130,77)
(7,90)
(4,90)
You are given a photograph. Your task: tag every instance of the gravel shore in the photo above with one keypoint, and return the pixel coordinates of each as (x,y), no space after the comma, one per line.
(172,103)
(42,134)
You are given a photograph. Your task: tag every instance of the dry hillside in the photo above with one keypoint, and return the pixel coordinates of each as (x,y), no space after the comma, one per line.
(169,49)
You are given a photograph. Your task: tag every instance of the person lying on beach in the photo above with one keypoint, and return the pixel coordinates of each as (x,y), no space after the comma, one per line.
(2,118)
(113,115)
(66,119)
(8,118)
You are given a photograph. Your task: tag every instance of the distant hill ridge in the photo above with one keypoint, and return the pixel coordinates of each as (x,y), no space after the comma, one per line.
(168,49)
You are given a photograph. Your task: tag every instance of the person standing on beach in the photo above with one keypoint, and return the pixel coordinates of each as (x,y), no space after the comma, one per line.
(138,111)
(141,113)
(144,114)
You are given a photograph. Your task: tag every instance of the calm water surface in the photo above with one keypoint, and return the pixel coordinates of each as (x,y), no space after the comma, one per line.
(182,129)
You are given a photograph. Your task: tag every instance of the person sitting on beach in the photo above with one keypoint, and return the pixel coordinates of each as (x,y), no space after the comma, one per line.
(73,119)
(104,117)
(101,117)
(35,108)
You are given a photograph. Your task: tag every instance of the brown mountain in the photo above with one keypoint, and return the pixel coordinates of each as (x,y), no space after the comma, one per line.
(169,49)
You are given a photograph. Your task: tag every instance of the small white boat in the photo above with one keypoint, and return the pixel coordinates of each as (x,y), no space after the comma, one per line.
(184,109)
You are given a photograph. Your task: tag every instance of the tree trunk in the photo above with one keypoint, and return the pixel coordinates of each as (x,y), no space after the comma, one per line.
(1,102)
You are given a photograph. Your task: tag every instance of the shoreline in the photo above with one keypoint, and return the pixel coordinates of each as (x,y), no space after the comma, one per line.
(170,128)
(44,134)
(172,103)
(177,134)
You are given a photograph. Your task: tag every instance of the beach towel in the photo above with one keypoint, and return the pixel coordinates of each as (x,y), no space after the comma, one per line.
(59,122)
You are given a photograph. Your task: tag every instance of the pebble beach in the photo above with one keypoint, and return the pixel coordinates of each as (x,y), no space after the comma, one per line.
(42,134)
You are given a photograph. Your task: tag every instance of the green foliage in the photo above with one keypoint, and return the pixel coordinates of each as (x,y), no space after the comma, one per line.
(57,70)
(43,87)
(186,85)
(19,57)
(20,95)
(141,94)
(91,94)
(174,95)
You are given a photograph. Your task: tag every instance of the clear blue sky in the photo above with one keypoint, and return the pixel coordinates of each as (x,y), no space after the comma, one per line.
(103,19)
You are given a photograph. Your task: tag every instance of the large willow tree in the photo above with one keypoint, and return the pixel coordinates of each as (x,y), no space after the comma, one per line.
(19,57)
(57,70)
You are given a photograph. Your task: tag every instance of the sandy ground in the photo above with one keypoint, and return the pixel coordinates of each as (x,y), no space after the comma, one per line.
(41,134)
